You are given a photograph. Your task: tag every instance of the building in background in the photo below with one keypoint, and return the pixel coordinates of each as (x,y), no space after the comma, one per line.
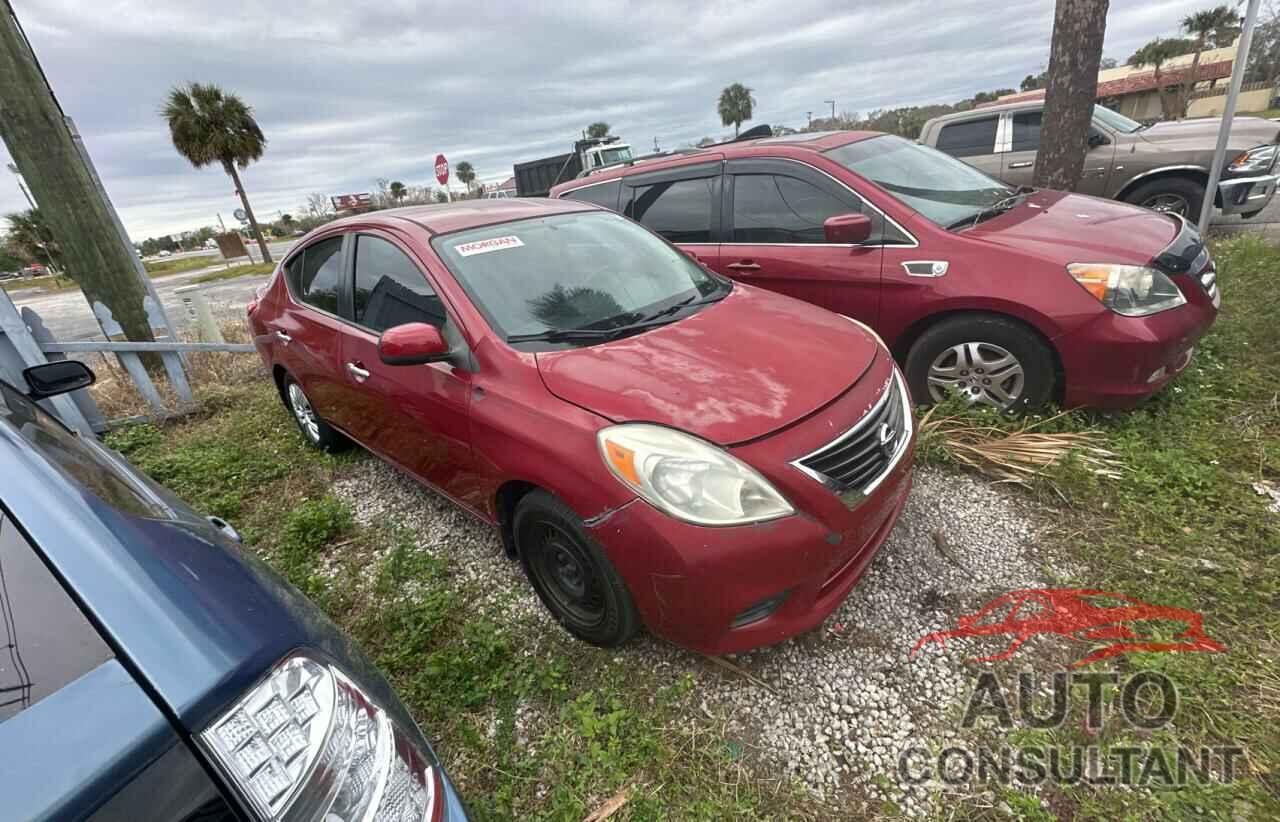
(1133,91)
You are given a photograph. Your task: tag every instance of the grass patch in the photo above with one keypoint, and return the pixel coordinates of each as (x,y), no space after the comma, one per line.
(234,272)
(1183,525)
(162,268)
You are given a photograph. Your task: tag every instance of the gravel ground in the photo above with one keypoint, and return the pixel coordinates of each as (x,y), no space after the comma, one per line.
(842,701)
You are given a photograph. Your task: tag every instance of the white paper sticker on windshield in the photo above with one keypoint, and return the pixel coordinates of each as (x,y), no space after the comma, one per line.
(485,246)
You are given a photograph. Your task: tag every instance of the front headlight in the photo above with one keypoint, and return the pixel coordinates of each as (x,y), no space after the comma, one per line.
(688,478)
(1132,290)
(1254,161)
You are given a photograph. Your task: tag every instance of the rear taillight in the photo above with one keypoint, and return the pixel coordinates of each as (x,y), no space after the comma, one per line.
(307,744)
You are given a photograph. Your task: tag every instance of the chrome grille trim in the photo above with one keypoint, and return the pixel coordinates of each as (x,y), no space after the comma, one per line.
(859,478)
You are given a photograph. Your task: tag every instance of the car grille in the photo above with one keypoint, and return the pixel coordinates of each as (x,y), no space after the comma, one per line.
(854,462)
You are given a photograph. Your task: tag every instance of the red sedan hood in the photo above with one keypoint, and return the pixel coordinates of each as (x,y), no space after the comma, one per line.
(748,365)
(1073,228)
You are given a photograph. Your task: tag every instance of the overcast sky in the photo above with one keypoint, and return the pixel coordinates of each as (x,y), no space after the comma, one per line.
(346,94)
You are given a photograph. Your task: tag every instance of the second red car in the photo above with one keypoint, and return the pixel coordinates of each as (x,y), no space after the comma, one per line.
(1011,297)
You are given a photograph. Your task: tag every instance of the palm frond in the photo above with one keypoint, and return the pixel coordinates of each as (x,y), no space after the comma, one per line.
(1016,456)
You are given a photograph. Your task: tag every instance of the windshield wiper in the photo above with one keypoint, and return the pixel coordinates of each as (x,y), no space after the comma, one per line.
(642,323)
(563,335)
(994,210)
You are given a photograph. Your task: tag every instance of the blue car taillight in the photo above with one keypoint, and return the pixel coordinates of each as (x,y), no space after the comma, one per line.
(307,744)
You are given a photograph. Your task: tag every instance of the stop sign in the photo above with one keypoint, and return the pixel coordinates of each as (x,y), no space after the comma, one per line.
(442,169)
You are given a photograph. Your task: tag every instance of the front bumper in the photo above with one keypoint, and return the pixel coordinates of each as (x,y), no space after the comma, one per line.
(1245,195)
(1115,361)
(691,583)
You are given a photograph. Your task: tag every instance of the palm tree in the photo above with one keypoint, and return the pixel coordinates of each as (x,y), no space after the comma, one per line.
(465,173)
(1217,24)
(211,126)
(1155,54)
(397,190)
(735,106)
(30,239)
(598,129)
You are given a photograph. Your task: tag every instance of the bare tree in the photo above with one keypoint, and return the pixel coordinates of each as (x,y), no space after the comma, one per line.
(1078,30)
(318,204)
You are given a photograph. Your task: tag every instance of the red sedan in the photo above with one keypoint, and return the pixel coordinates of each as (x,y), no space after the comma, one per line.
(657,444)
(1010,296)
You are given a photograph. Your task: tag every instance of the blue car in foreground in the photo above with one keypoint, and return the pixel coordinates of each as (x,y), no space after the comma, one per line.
(151,669)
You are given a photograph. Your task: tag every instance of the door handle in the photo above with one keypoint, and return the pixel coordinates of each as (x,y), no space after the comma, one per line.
(356,371)
(283,337)
(747,266)
(1022,164)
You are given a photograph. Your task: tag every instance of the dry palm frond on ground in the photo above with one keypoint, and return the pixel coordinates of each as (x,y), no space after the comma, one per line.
(1017,455)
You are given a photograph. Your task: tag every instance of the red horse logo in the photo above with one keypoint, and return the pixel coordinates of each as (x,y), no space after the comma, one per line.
(1081,614)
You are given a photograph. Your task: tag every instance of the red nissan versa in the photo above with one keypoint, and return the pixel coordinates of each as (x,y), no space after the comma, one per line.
(656,443)
(1010,296)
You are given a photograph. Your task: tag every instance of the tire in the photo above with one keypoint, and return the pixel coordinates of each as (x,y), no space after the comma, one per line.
(993,360)
(1180,195)
(318,433)
(574,579)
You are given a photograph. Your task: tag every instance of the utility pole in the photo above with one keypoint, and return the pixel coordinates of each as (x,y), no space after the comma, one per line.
(833,109)
(35,131)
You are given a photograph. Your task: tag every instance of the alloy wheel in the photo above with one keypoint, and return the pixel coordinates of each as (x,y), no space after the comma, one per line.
(1167,202)
(303,412)
(567,576)
(982,372)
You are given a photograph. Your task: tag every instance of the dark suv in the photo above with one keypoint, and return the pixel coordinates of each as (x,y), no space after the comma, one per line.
(153,670)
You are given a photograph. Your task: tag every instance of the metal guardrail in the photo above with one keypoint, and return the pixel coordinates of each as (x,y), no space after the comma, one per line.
(25,341)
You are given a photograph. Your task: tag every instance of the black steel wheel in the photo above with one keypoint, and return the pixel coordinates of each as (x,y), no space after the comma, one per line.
(571,574)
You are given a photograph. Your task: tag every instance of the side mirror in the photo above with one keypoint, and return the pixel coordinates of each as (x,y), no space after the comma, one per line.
(850,229)
(412,344)
(1097,138)
(53,378)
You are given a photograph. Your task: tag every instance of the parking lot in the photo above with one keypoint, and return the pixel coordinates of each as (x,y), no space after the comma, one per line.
(535,723)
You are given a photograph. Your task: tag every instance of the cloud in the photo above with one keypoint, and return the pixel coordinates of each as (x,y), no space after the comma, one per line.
(348,93)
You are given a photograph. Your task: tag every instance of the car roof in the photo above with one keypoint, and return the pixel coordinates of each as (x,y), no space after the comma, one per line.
(811,141)
(995,108)
(442,218)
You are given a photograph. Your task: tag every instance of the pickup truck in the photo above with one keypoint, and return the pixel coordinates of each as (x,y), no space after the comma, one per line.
(1164,166)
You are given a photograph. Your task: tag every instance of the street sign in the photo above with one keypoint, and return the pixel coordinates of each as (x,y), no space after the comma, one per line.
(442,169)
(351,202)
(240,215)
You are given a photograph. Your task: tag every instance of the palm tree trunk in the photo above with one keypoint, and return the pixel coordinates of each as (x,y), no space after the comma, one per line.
(248,211)
(1188,85)
(1079,27)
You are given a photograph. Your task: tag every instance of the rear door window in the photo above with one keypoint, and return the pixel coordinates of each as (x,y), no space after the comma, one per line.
(1026,131)
(49,641)
(680,210)
(319,280)
(970,138)
(605,194)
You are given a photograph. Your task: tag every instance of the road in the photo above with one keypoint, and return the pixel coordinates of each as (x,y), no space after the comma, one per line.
(275,246)
(67,314)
